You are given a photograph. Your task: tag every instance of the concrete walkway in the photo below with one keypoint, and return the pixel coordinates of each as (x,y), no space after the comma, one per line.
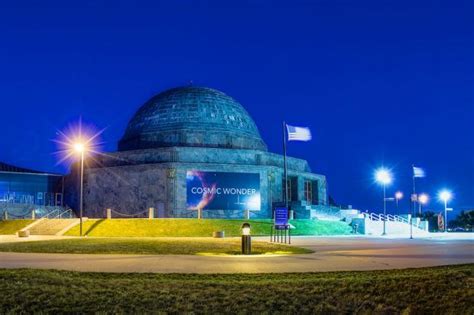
(331,254)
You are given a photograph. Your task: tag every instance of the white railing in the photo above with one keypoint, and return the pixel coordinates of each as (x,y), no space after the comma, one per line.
(60,214)
(389,217)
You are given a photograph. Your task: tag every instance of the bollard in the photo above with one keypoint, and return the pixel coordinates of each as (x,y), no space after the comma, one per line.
(5,215)
(33,214)
(199,214)
(246,239)
(109,213)
(151,212)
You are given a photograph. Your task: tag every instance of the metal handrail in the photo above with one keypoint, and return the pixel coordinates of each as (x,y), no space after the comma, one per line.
(389,217)
(60,215)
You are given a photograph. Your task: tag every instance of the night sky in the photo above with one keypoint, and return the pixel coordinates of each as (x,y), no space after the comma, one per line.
(378,82)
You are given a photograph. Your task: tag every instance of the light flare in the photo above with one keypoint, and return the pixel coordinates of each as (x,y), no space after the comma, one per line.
(383,176)
(77,139)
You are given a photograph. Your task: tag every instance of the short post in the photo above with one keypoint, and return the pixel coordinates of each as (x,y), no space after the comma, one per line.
(5,215)
(33,214)
(246,239)
(151,212)
(247,214)
(292,215)
(289,235)
(199,213)
(109,213)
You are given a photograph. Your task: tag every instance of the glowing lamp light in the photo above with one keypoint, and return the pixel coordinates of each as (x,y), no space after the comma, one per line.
(383,176)
(423,199)
(79,147)
(246,229)
(398,195)
(445,195)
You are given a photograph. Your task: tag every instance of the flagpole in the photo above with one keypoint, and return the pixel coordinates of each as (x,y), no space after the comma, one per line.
(413,203)
(285,167)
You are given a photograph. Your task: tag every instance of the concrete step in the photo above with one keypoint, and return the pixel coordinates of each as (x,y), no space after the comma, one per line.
(52,226)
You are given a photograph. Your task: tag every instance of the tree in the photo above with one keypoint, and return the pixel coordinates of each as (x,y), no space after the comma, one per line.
(432,219)
(464,220)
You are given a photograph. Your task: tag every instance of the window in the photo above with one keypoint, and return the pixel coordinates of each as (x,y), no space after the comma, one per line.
(39,198)
(59,199)
(308,191)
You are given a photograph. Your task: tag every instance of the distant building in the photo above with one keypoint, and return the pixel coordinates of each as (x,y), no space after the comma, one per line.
(26,187)
(192,148)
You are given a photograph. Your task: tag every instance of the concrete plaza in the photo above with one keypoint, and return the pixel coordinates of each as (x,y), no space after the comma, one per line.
(331,254)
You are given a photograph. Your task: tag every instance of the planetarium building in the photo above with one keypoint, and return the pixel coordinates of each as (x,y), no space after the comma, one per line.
(195,148)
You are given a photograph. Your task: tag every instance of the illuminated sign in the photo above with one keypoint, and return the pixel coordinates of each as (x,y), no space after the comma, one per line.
(222,191)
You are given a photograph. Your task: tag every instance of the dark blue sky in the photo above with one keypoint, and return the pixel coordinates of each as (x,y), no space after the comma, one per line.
(378,82)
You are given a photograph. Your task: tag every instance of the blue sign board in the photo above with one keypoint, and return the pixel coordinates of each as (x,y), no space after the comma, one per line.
(281,216)
(222,191)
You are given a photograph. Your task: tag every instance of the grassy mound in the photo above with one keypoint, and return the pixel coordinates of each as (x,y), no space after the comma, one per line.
(199,228)
(9,227)
(148,246)
(442,290)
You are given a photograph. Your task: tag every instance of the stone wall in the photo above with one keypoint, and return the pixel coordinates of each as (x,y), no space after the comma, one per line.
(131,183)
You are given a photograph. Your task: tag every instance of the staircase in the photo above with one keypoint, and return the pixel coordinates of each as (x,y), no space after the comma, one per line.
(53,226)
(303,210)
(372,224)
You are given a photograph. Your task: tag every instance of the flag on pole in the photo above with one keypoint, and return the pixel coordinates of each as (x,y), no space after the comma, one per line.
(298,133)
(418,172)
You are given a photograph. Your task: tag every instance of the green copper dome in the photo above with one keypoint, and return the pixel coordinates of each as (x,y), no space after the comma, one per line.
(192,117)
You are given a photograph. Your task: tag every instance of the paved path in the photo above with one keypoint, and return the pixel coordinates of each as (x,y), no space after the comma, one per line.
(331,254)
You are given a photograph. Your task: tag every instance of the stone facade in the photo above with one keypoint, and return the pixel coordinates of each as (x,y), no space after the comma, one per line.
(132,181)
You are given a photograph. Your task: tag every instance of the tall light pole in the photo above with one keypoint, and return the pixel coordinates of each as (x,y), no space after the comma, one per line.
(445,196)
(422,200)
(81,148)
(398,197)
(384,177)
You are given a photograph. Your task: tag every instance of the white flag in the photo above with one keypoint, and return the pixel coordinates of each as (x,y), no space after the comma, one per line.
(298,133)
(418,172)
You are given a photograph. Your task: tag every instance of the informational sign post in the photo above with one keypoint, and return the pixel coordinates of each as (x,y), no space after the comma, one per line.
(281,217)
(281,227)
(222,191)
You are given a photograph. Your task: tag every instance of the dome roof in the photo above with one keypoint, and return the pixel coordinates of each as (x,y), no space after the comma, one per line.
(191,117)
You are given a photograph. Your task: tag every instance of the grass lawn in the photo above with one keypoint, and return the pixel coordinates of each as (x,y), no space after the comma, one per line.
(204,228)
(148,246)
(9,227)
(441,290)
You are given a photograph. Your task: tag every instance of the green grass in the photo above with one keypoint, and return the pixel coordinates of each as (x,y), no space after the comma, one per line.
(441,290)
(148,246)
(9,227)
(199,228)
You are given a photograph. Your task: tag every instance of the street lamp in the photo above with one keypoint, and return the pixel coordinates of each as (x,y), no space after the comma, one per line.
(79,142)
(398,196)
(384,177)
(422,200)
(80,148)
(445,196)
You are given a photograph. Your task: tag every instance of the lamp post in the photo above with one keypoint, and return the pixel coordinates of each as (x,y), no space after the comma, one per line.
(246,239)
(445,196)
(81,148)
(384,177)
(398,196)
(422,200)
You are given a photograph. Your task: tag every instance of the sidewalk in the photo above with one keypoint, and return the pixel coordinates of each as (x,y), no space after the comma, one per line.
(331,254)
